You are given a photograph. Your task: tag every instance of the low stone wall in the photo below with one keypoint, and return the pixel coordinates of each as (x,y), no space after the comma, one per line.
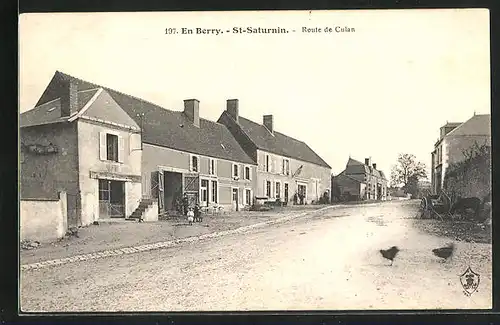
(43,220)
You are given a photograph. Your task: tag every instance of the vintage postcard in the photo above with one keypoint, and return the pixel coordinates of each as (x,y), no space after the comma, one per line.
(255,161)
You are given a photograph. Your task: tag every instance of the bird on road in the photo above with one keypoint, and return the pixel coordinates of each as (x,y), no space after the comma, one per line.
(390,253)
(444,252)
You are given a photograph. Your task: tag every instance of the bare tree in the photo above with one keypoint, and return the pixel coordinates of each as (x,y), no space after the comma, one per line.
(407,169)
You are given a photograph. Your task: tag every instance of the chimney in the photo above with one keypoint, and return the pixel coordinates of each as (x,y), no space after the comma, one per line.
(367,161)
(374,166)
(192,111)
(69,98)
(268,123)
(232,109)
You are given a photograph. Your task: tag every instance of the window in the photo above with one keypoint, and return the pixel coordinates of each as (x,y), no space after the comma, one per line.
(235,170)
(194,164)
(268,189)
(104,190)
(278,190)
(286,167)
(248,196)
(211,166)
(111,147)
(247,172)
(204,192)
(214,192)
(267,163)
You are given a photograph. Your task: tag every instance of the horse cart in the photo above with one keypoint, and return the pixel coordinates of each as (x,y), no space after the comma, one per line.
(436,206)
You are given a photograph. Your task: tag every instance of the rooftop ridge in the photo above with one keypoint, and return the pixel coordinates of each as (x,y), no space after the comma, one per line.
(132,96)
(117,91)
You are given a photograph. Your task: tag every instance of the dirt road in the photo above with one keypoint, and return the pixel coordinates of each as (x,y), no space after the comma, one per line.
(328,262)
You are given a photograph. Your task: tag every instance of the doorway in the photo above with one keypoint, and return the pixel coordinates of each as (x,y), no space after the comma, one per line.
(111,199)
(172,190)
(285,192)
(302,192)
(235,199)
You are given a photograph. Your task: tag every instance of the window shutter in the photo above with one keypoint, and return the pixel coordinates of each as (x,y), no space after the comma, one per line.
(215,167)
(190,163)
(102,145)
(121,149)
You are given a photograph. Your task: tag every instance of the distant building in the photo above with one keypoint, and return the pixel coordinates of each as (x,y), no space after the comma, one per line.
(360,182)
(395,192)
(454,139)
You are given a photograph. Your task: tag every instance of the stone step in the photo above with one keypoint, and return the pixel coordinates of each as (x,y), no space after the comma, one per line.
(144,204)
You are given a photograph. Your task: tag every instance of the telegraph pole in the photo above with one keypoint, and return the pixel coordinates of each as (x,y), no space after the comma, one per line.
(141,116)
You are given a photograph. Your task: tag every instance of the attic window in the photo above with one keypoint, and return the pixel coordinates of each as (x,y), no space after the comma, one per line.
(51,109)
(222,145)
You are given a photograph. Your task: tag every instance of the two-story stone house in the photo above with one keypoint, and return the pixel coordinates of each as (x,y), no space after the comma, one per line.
(454,139)
(360,181)
(80,141)
(288,169)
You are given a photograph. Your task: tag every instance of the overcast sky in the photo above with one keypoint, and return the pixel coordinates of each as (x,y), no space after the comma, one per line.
(381,90)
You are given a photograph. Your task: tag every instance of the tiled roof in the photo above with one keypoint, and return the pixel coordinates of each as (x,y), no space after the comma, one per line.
(357,167)
(164,127)
(279,143)
(476,125)
(50,112)
(343,175)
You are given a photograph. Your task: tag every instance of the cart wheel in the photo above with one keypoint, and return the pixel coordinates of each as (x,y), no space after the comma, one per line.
(423,203)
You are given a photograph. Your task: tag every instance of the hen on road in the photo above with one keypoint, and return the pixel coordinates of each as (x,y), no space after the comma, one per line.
(390,253)
(444,252)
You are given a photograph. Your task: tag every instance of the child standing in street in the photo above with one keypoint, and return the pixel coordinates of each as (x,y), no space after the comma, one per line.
(190,216)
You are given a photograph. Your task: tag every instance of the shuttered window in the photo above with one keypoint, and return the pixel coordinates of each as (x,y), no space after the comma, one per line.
(111,147)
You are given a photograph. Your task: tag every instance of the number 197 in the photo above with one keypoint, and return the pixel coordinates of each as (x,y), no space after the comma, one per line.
(170,31)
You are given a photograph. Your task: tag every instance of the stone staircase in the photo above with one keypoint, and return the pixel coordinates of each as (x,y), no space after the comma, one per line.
(139,211)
